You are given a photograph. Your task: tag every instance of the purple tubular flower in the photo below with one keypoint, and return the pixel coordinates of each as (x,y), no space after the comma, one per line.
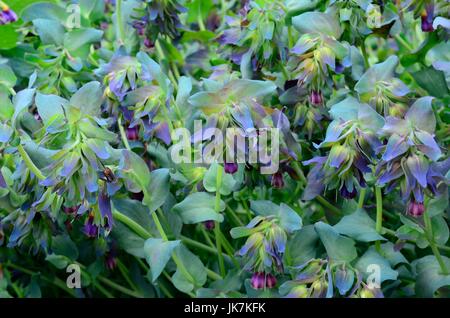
(230,168)
(2,181)
(104,205)
(347,194)
(90,229)
(7,15)
(316,97)
(111,260)
(258,280)
(271,280)
(415,209)
(133,133)
(209,225)
(427,19)
(277,180)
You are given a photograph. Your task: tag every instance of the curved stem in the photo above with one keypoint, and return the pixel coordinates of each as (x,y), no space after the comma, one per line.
(217,224)
(327,204)
(119,21)
(123,134)
(29,163)
(379,220)
(430,237)
(362,196)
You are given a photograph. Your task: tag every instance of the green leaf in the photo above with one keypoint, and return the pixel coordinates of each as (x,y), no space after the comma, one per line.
(88,98)
(358,226)
(49,106)
(135,168)
(390,254)
(78,38)
(371,258)
(9,37)
(339,248)
(209,180)
(289,219)
(7,76)
(50,31)
(63,245)
(318,22)
(433,81)
(194,266)
(22,101)
(429,276)
(198,207)
(302,246)
(43,10)
(158,189)
(198,8)
(59,261)
(158,253)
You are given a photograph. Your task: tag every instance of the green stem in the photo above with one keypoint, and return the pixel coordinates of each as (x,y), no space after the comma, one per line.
(55,280)
(362,196)
(403,42)
(379,219)
(102,290)
(119,288)
(126,274)
(430,236)
(213,275)
(123,134)
(29,163)
(327,204)
(120,29)
(365,55)
(217,224)
(234,216)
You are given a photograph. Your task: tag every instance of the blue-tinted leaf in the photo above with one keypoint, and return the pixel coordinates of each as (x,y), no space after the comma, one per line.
(198,207)
(420,115)
(339,248)
(366,265)
(395,147)
(50,31)
(157,253)
(5,132)
(358,226)
(318,22)
(88,98)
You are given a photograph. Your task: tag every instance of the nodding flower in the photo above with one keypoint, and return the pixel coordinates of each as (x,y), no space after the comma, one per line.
(262,280)
(415,209)
(277,180)
(90,229)
(209,225)
(427,19)
(316,97)
(230,168)
(258,280)
(6,14)
(133,133)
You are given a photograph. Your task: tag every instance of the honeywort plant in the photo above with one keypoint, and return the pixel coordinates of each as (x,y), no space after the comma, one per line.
(94,93)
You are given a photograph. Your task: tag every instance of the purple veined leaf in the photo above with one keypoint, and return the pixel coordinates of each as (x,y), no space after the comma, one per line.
(5,133)
(418,166)
(316,160)
(315,185)
(379,72)
(369,119)
(91,180)
(104,205)
(338,155)
(70,163)
(49,182)
(229,36)
(395,147)
(428,145)
(392,172)
(305,43)
(418,194)
(328,58)
(345,110)
(398,88)
(420,115)
(318,22)
(242,116)
(394,125)
(334,132)
(100,147)
(162,131)
(2,180)
(116,85)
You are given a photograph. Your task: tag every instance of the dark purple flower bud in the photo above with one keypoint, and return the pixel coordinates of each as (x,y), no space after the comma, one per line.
(71,209)
(258,280)
(277,180)
(68,225)
(339,68)
(230,168)
(316,97)
(110,261)
(271,281)
(90,229)
(2,181)
(137,196)
(104,25)
(139,26)
(209,225)
(427,19)
(347,194)
(415,209)
(7,15)
(148,43)
(133,133)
